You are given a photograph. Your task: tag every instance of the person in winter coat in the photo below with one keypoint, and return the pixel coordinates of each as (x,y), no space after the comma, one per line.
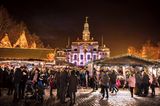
(1,79)
(23,81)
(131,83)
(73,82)
(11,82)
(154,83)
(51,84)
(158,79)
(17,80)
(105,84)
(58,83)
(145,84)
(35,77)
(63,85)
(113,78)
(118,83)
(138,77)
(5,77)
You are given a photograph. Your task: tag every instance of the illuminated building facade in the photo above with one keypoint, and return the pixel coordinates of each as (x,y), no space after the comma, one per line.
(86,49)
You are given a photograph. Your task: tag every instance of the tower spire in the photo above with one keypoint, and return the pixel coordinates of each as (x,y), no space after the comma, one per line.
(102,41)
(86,33)
(68,42)
(86,19)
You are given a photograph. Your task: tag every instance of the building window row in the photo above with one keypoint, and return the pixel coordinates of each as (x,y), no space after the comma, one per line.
(103,53)
(88,57)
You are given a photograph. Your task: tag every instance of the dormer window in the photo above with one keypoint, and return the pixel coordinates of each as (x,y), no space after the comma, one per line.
(94,49)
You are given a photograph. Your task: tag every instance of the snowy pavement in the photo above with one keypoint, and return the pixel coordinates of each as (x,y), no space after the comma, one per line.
(85,97)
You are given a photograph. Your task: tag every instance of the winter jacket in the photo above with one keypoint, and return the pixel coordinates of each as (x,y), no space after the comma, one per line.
(113,78)
(17,76)
(73,82)
(131,81)
(105,79)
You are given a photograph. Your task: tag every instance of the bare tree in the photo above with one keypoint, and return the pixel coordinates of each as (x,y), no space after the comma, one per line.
(37,40)
(14,29)
(6,22)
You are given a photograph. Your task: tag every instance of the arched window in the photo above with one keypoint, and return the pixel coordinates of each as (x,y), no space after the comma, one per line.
(81,57)
(94,57)
(88,57)
(75,57)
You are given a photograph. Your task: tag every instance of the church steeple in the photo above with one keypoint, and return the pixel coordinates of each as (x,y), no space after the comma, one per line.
(86,33)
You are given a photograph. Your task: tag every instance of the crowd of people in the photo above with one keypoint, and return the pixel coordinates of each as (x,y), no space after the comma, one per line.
(67,80)
(144,81)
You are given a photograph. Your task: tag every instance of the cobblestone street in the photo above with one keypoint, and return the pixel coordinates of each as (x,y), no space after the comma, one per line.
(122,98)
(85,97)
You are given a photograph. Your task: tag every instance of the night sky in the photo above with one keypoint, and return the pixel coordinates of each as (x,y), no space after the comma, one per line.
(122,23)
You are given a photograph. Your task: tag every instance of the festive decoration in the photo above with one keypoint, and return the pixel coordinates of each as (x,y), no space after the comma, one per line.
(5,42)
(22,41)
(50,56)
(33,45)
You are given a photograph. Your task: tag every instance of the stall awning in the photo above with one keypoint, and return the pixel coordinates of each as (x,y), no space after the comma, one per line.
(26,54)
(126,59)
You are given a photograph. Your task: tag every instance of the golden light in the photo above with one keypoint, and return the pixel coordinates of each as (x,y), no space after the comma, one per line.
(50,56)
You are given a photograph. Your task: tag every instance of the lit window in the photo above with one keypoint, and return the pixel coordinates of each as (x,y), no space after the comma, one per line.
(94,57)
(94,49)
(75,57)
(88,57)
(81,57)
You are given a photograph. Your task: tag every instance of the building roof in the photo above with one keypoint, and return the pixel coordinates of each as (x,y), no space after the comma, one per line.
(126,59)
(26,54)
(85,42)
